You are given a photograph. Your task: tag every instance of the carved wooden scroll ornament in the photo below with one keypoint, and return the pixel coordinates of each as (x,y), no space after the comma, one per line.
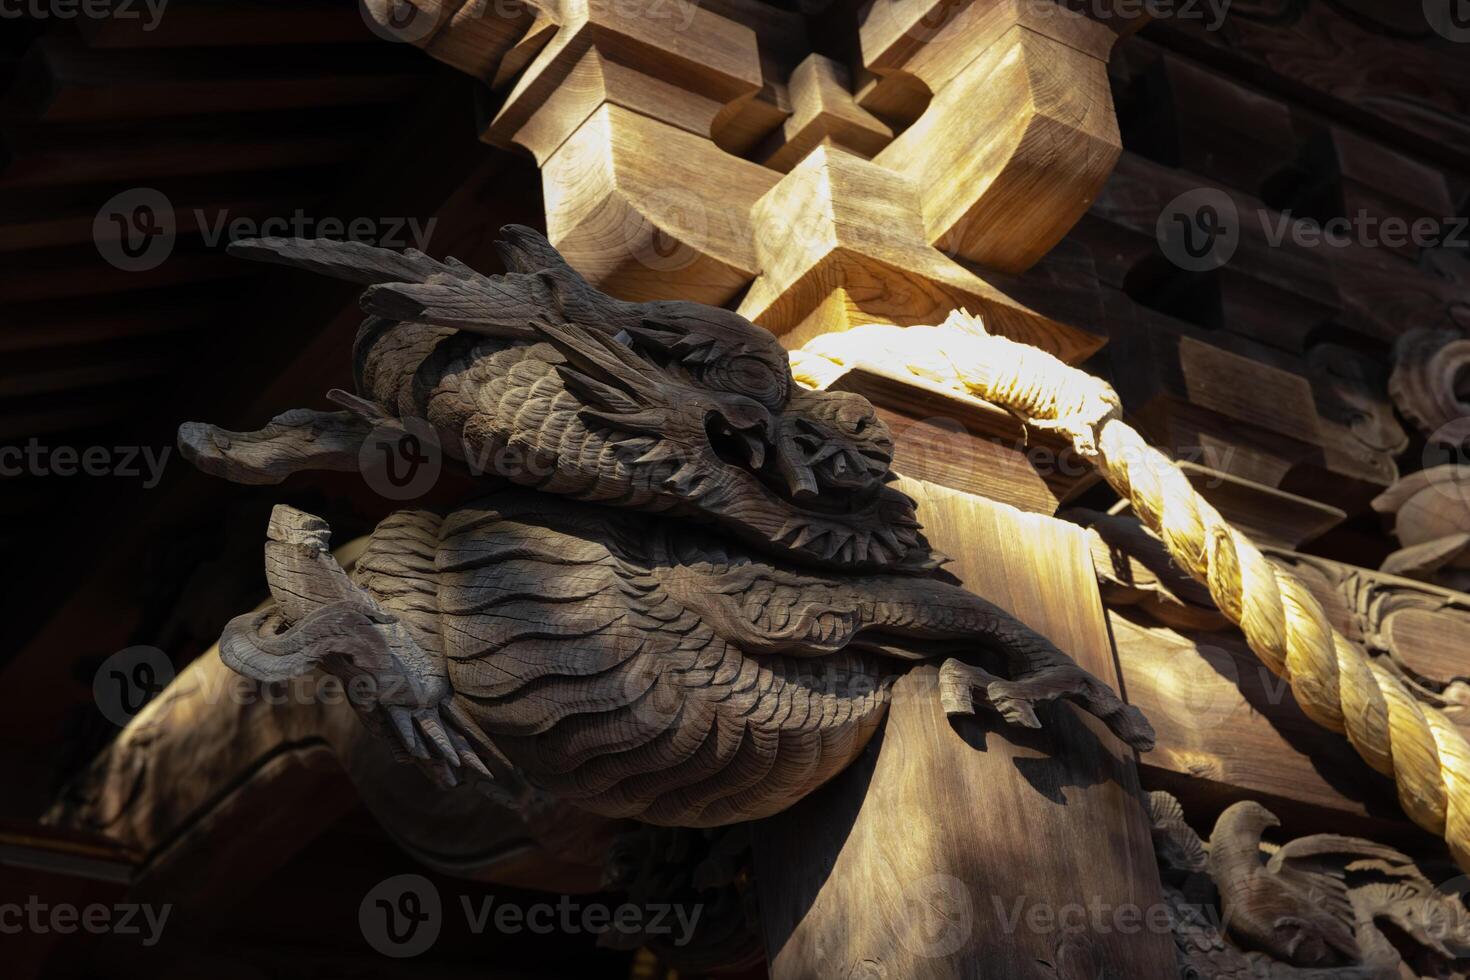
(1428,382)
(684,603)
(1431,515)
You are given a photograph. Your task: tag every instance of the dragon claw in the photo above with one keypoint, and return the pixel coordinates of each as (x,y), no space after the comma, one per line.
(433,739)
(1016,699)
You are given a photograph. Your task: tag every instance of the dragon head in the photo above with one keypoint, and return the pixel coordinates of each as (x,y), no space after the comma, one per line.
(675,407)
(701,410)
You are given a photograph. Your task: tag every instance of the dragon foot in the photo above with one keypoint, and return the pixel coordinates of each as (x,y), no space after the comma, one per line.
(437,737)
(1016,699)
(323,620)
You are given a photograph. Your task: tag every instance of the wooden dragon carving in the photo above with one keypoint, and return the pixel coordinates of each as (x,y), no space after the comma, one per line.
(688,586)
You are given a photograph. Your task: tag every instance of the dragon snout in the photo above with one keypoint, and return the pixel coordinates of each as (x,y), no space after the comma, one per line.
(817,462)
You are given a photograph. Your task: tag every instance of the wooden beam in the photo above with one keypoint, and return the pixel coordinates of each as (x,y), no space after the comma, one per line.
(824,112)
(1404,90)
(228,23)
(60,81)
(37,161)
(83,324)
(1229,730)
(910,862)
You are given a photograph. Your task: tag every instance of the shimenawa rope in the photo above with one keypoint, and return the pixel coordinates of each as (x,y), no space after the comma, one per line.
(1335,684)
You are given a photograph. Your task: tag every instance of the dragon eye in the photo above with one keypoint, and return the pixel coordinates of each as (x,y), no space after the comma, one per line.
(749,376)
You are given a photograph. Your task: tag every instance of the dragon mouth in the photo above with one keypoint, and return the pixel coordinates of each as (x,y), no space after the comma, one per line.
(812,478)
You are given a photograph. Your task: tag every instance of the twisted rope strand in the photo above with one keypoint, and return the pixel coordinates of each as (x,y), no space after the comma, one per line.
(1336,684)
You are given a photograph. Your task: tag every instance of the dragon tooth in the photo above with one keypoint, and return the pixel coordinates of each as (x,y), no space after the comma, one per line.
(807,535)
(871,548)
(835,544)
(683,479)
(788,532)
(755,450)
(661,452)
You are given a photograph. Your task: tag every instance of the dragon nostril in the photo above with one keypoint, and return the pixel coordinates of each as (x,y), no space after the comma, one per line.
(736,447)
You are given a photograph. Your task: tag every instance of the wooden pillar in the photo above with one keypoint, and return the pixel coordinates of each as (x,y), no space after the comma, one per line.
(974,849)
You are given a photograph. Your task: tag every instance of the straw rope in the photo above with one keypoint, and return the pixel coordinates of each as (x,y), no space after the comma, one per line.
(1336,684)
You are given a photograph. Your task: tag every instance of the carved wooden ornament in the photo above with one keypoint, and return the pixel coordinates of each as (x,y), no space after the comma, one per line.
(689,586)
(1316,908)
(1431,368)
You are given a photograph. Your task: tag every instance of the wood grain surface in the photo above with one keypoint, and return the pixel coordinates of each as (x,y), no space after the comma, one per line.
(916,861)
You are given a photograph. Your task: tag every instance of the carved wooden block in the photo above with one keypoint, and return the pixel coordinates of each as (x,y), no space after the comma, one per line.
(824,112)
(1004,177)
(837,222)
(645,209)
(1429,367)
